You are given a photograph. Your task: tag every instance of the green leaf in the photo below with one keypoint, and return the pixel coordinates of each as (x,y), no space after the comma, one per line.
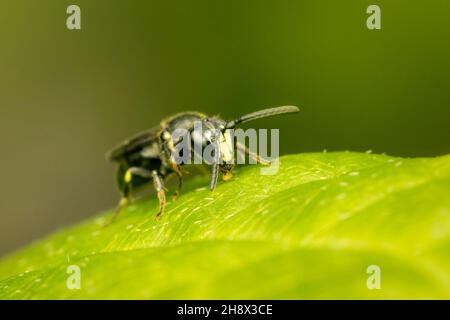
(310,231)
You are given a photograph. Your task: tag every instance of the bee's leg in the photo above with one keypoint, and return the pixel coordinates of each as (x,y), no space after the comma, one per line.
(122,204)
(214,176)
(241,147)
(215,168)
(125,200)
(179,186)
(159,187)
(176,169)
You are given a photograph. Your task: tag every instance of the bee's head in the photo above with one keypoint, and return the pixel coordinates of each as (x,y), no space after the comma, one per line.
(213,131)
(208,131)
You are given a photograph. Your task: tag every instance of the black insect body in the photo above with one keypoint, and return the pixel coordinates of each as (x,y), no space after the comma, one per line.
(148,156)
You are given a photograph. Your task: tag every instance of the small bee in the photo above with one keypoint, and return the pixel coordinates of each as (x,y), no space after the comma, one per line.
(148,156)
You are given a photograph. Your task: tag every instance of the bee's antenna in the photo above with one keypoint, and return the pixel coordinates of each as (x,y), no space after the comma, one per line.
(262,114)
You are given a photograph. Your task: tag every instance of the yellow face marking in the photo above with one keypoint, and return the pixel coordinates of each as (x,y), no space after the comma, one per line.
(226,146)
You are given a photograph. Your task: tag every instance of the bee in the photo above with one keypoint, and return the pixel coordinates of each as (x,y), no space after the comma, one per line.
(148,156)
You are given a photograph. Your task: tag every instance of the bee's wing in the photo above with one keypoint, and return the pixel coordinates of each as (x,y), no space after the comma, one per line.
(145,142)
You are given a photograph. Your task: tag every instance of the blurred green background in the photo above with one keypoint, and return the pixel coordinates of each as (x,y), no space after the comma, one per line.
(67,96)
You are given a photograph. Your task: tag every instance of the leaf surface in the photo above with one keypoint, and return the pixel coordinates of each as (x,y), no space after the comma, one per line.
(310,231)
